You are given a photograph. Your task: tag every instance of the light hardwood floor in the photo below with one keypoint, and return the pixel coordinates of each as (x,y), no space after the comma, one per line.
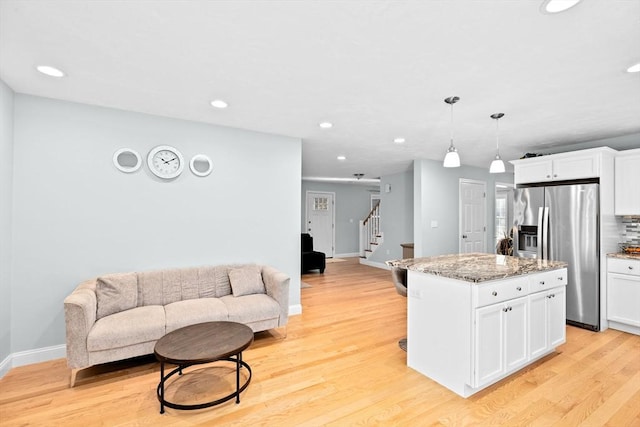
(340,365)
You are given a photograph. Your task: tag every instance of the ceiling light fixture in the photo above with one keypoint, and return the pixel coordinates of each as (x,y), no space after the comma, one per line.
(358,176)
(219,103)
(497,165)
(556,6)
(50,71)
(399,140)
(452,159)
(326,125)
(342,158)
(634,68)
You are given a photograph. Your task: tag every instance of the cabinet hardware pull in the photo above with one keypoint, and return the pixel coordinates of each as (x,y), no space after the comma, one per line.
(548,176)
(630,268)
(505,309)
(555,175)
(494,293)
(560,278)
(553,295)
(519,288)
(510,308)
(542,282)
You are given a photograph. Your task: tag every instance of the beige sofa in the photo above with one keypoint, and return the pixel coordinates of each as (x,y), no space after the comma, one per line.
(118,316)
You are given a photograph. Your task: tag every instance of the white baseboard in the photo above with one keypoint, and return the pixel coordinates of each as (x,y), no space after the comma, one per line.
(374,264)
(29,357)
(351,255)
(5,366)
(295,309)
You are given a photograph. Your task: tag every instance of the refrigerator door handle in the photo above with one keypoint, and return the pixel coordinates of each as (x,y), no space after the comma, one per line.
(545,234)
(539,234)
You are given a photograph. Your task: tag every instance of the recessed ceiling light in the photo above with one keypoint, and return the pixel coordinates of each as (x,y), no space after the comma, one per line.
(326,125)
(634,68)
(398,140)
(219,103)
(50,71)
(342,158)
(556,6)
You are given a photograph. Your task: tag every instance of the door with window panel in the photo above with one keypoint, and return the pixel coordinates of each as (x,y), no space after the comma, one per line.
(320,221)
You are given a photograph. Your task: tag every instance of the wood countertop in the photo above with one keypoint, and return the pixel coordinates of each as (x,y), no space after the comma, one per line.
(476,267)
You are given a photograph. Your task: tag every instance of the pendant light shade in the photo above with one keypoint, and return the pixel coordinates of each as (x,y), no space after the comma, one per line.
(452,159)
(497,165)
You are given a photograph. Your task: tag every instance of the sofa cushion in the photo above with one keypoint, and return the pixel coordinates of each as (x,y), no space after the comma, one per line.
(116,292)
(251,308)
(138,325)
(190,312)
(246,280)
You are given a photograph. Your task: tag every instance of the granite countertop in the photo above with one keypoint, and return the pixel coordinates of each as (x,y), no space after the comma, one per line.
(624,256)
(476,267)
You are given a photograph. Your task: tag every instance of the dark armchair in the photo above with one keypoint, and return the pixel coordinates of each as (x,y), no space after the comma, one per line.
(311,260)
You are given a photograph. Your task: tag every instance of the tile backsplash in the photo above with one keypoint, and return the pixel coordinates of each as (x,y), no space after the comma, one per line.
(631,230)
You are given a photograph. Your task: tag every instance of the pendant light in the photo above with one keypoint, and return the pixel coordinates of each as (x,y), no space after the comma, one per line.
(497,165)
(452,159)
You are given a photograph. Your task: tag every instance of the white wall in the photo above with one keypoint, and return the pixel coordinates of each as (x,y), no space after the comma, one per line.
(6,204)
(436,197)
(76,216)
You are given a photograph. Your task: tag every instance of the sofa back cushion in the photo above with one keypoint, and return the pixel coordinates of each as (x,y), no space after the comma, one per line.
(162,287)
(115,293)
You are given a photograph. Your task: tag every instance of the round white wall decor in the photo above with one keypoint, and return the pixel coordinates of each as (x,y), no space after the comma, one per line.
(201,165)
(165,162)
(127,160)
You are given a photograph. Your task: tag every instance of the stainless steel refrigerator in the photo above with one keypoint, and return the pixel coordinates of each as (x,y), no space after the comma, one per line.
(560,223)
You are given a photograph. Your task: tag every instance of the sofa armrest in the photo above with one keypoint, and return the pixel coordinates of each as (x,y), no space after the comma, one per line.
(79,314)
(277,285)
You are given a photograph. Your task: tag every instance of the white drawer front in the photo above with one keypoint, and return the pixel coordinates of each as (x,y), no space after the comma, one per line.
(493,292)
(624,266)
(548,280)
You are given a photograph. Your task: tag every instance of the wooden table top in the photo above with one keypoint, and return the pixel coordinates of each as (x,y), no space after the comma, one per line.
(203,342)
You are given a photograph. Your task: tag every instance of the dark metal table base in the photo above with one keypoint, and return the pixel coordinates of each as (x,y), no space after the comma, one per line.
(239,389)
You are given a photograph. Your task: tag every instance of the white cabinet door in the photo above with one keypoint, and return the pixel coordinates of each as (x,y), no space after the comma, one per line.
(576,166)
(501,339)
(539,330)
(627,196)
(533,170)
(516,328)
(489,351)
(547,321)
(557,316)
(623,298)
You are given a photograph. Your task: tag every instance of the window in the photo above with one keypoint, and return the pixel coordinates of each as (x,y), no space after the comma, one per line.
(320,204)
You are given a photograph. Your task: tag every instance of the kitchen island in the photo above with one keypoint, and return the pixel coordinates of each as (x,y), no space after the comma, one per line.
(474,319)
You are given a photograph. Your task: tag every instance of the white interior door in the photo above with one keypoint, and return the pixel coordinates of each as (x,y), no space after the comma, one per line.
(473,221)
(320,221)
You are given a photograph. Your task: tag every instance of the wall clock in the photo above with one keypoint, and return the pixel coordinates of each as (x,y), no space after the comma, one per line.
(165,162)
(127,160)
(201,165)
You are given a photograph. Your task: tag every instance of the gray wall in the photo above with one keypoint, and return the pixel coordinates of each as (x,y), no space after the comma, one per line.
(436,197)
(6,203)
(76,216)
(353,203)
(396,213)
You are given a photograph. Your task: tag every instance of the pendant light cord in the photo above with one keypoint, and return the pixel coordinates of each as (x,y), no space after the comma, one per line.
(451,144)
(497,137)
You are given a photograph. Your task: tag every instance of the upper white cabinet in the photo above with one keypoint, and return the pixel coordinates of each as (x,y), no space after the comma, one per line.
(627,177)
(560,167)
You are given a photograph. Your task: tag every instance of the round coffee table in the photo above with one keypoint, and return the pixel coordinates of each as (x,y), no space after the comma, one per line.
(203,343)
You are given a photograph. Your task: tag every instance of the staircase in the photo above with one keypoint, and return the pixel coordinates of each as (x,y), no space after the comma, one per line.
(370,234)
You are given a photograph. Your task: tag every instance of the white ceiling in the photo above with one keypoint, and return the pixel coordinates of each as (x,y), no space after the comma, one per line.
(375,69)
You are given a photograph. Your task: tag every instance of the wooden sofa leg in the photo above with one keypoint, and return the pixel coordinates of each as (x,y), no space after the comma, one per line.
(72,382)
(282,331)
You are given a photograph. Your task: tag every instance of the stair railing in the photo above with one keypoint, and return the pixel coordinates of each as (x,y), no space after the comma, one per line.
(370,230)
